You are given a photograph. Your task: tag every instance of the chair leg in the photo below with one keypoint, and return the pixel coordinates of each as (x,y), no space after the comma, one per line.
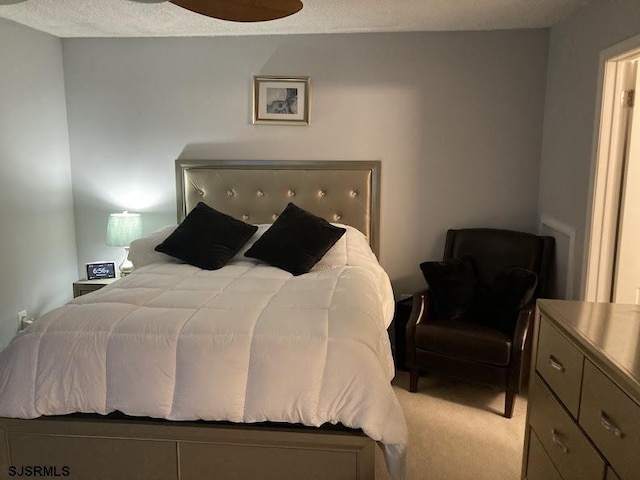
(509,400)
(414,375)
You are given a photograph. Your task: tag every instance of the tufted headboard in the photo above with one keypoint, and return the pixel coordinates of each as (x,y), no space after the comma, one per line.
(257,191)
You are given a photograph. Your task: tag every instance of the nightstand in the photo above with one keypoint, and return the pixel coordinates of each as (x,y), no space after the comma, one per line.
(82,287)
(397,331)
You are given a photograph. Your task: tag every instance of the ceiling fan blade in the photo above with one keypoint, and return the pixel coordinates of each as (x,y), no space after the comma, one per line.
(242,10)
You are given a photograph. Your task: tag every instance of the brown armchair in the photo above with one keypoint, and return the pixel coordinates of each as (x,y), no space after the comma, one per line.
(466,347)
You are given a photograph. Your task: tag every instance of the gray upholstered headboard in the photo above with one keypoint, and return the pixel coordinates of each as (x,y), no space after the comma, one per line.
(257,191)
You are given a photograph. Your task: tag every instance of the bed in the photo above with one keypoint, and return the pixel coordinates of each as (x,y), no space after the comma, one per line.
(243,372)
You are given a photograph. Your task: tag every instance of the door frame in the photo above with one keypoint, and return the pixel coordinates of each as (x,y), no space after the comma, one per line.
(606,166)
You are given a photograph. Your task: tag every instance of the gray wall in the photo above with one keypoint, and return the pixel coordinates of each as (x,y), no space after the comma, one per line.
(455,119)
(37,254)
(566,170)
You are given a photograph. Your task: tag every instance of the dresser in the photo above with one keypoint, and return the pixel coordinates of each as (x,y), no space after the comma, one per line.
(583,413)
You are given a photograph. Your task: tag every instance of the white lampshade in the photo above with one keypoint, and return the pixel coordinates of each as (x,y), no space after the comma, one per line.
(123,228)
(11,2)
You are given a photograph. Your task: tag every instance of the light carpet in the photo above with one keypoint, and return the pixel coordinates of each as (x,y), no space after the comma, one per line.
(457,431)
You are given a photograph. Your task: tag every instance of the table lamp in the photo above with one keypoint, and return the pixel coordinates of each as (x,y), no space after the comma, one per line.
(121,230)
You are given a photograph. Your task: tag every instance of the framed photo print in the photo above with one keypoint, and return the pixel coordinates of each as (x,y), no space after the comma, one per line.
(281,100)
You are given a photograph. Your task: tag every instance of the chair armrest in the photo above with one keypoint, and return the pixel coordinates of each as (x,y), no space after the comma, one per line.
(520,350)
(419,314)
(523,324)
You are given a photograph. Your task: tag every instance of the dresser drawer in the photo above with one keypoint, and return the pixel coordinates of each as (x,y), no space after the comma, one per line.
(612,420)
(567,446)
(539,465)
(560,364)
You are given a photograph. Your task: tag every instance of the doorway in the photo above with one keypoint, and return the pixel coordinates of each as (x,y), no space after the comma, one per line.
(613,260)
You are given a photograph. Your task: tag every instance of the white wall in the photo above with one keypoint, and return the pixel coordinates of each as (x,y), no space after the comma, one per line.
(570,105)
(37,241)
(455,118)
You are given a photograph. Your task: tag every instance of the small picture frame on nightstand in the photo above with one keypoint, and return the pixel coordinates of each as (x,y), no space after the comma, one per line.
(101,270)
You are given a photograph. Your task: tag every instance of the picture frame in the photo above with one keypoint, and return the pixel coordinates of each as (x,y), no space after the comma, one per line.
(281,100)
(101,270)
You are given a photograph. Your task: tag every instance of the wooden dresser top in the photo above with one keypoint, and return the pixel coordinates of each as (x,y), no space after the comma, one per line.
(608,333)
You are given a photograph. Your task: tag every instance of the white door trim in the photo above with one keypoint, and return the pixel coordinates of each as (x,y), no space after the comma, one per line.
(606,167)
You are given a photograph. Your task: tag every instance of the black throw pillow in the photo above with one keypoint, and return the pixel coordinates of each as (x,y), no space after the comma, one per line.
(453,286)
(499,302)
(207,238)
(296,241)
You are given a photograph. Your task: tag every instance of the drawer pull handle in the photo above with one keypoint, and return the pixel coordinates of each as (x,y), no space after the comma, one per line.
(556,364)
(609,426)
(555,438)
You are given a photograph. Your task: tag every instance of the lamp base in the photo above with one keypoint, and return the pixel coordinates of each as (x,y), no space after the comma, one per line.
(126,267)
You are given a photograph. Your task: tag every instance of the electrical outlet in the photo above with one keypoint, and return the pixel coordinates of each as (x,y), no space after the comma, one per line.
(23,319)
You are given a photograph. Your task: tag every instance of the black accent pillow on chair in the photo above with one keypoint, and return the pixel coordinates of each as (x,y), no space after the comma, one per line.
(296,241)
(453,286)
(500,302)
(207,238)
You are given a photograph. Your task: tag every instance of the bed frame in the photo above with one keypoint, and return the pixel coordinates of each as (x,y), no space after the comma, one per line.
(96,447)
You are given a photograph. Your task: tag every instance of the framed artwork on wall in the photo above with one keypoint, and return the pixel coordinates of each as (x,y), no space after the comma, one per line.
(281,100)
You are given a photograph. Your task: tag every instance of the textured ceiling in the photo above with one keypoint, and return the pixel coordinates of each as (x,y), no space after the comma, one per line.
(122,18)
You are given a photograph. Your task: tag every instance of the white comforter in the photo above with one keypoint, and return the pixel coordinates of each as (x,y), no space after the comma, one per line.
(246,343)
